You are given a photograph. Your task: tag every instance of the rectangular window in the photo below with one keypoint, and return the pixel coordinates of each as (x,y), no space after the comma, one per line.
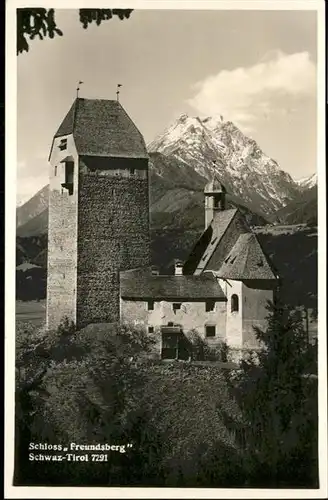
(63,144)
(176,306)
(210,305)
(170,345)
(132,171)
(150,329)
(150,305)
(55,170)
(210,330)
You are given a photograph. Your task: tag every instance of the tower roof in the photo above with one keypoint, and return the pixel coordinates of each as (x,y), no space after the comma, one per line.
(247,261)
(102,128)
(214,186)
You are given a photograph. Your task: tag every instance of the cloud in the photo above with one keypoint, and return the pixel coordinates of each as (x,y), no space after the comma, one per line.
(246,94)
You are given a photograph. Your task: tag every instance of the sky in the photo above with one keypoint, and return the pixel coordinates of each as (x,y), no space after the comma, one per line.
(256,68)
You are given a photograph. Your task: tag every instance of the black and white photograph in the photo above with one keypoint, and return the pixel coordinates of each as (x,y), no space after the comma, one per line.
(165,323)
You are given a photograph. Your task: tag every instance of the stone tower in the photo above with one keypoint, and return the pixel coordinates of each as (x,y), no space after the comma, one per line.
(98,211)
(215,194)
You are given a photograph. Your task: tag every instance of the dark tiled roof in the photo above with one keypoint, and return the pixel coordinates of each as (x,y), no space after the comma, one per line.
(209,241)
(247,261)
(102,128)
(140,284)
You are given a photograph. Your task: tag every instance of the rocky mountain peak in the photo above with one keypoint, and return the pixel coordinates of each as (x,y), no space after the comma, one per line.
(213,146)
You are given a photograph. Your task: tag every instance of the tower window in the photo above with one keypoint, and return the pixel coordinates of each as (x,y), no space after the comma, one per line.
(210,330)
(234,303)
(209,305)
(63,144)
(69,172)
(150,305)
(69,177)
(176,306)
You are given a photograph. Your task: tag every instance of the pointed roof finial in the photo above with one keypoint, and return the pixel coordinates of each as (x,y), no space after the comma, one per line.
(78,88)
(117,91)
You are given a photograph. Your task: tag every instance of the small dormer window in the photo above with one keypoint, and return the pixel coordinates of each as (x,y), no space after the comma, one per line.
(63,144)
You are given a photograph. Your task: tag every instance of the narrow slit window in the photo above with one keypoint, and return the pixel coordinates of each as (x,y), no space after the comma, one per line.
(55,170)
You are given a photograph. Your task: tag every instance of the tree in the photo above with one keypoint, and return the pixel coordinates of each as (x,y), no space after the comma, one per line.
(32,23)
(82,387)
(278,401)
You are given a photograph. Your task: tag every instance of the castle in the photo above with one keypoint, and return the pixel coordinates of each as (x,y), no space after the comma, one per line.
(99,268)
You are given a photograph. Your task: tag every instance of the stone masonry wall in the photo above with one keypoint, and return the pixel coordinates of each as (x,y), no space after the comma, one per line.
(62,238)
(113,235)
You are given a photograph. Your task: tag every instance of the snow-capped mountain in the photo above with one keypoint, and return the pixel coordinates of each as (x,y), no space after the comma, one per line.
(307,182)
(214,146)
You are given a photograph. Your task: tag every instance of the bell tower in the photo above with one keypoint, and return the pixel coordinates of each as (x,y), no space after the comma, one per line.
(215,199)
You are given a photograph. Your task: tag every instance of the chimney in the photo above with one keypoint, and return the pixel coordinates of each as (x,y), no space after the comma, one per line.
(154,270)
(178,268)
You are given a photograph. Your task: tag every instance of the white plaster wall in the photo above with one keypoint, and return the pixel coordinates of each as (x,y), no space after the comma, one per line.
(234,322)
(255,313)
(191,316)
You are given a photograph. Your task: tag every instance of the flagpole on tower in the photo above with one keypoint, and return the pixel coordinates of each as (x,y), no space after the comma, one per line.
(118,92)
(78,89)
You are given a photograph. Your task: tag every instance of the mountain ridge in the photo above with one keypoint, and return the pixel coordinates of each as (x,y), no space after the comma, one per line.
(217,147)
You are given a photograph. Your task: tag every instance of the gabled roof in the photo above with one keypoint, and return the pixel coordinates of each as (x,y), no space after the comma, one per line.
(140,284)
(247,261)
(102,128)
(209,241)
